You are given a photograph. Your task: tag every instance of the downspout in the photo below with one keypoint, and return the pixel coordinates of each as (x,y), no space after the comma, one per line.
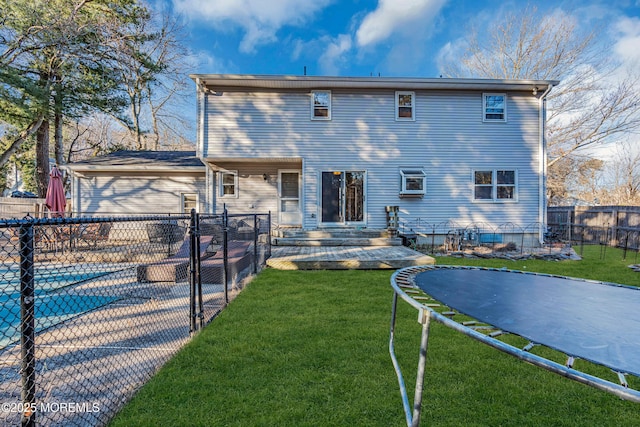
(201,101)
(542,203)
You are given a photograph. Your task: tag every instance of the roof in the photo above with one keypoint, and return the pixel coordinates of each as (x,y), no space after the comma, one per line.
(226,81)
(141,161)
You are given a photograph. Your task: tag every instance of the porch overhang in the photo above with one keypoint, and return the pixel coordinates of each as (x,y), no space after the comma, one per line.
(212,162)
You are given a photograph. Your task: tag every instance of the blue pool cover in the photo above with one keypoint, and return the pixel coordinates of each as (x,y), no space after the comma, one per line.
(595,321)
(50,309)
(53,304)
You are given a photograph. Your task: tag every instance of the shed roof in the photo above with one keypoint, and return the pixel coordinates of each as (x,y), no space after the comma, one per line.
(141,160)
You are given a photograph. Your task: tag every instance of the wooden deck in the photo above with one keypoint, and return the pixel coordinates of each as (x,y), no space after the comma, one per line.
(345,257)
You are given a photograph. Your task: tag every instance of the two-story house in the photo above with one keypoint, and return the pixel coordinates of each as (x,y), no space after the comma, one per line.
(335,151)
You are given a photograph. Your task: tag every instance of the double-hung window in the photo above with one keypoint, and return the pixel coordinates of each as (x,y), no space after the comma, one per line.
(321,105)
(494,107)
(405,105)
(495,185)
(228,183)
(189,201)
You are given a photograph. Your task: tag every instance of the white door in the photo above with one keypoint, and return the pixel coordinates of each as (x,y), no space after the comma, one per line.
(289,203)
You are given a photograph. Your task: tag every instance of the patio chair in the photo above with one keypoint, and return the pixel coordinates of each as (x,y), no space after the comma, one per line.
(94,233)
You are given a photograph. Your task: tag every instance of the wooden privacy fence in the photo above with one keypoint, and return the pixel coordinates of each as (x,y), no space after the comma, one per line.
(610,225)
(16,207)
(595,216)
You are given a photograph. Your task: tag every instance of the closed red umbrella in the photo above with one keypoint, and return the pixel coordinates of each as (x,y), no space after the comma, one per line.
(55,199)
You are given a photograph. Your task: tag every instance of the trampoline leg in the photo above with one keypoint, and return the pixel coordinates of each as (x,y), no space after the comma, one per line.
(396,365)
(424,319)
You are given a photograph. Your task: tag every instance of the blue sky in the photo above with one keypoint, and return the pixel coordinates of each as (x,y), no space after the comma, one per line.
(366,37)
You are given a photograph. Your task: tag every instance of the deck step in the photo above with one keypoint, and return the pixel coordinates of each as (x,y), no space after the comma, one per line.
(335,237)
(324,233)
(337,241)
(345,258)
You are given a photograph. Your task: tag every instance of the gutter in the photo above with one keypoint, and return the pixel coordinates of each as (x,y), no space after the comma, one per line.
(216,83)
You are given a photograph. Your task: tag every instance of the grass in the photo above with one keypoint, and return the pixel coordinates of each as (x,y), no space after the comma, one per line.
(310,348)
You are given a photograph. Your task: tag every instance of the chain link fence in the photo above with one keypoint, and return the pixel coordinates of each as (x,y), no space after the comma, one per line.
(516,239)
(91,308)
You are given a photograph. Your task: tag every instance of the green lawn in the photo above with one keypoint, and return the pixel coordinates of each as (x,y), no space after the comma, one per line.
(310,348)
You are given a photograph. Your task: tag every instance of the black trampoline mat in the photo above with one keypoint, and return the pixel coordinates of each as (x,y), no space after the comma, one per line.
(594,321)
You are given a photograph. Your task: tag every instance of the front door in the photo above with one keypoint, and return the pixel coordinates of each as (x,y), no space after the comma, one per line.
(342,197)
(289,197)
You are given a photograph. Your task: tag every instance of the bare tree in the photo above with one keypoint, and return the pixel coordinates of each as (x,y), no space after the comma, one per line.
(622,177)
(589,106)
(155,81)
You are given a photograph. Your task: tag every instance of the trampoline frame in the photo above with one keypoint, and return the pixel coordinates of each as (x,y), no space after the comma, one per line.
(405,287)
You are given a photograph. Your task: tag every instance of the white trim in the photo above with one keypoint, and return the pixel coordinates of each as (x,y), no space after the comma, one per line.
(494,186)
(218,81)
(201,99)
(415,172)
(413,106)
(484,108)
(313,105)
(280,198)
(542,190)
(182,197)
(221,185)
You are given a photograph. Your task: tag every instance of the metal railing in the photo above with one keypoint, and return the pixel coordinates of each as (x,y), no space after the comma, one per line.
(91,308)
(451,236)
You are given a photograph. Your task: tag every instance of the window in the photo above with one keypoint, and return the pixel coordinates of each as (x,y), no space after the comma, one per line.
(405,108)
(321,105)
(494,185)
(414,182)
(189,201)
(495,107)
(228,184)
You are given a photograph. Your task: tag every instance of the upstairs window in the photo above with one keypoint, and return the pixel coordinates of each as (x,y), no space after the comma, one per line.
(495,107)
(405,105)
(413,182)
(321,105)
(228,184)
(494,185)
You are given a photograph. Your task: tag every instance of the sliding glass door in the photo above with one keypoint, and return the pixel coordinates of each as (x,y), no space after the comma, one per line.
(343,197)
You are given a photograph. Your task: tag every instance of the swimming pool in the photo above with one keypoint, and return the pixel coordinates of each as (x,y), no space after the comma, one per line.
(55,297)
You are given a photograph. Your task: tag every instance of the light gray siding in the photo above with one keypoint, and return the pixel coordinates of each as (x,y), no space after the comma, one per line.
(448,139)
(255,194)
(106,193)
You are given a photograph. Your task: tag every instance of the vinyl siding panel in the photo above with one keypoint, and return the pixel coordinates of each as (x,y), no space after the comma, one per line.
(105,193)
(255,194)
(448,139)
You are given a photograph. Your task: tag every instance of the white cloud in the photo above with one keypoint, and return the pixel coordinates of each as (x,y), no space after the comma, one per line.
(259,19)
(626,46)
(335,54)
(393,17)
(450,53)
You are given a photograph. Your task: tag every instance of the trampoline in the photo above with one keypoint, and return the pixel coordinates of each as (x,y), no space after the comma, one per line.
(594,321)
